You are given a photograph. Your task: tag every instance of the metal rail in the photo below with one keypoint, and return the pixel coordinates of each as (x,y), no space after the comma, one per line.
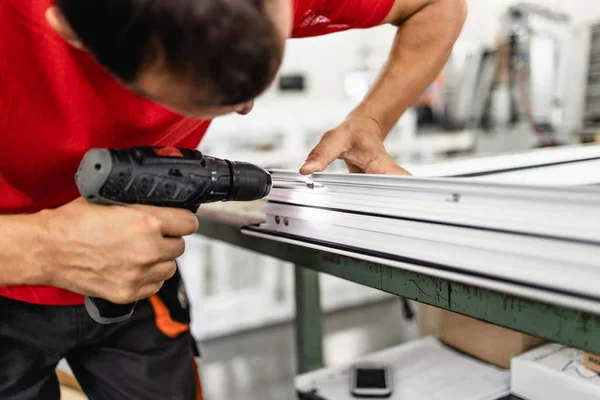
(560,324)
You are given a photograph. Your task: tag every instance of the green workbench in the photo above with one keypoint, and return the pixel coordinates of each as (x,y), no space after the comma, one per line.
(558,324)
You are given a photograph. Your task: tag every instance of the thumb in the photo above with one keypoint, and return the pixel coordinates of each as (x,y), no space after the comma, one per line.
(331,145)
(385,165)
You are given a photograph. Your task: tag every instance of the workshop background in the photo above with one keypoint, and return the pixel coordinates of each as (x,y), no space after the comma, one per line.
(485,102)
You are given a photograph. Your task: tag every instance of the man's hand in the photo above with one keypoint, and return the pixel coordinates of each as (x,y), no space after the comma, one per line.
(119,253)
(359,142)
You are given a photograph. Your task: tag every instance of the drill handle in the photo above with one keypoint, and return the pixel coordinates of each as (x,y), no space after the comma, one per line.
(94,172)
(106,312)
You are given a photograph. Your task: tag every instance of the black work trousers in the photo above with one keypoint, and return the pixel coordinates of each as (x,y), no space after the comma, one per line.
(131,360)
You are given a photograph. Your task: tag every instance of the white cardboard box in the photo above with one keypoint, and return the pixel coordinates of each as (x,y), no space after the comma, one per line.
(553,372)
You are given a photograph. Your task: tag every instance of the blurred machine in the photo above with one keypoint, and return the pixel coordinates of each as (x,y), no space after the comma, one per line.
(516,94)
(591,117)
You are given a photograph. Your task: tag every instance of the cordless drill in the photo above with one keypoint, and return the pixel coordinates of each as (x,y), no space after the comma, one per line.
(166,177)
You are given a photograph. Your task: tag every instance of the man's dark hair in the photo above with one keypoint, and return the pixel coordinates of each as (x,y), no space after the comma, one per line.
(229,46)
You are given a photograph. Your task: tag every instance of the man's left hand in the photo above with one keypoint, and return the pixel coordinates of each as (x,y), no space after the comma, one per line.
(359,142)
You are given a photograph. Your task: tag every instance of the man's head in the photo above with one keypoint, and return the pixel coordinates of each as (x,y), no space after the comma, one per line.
(198,57)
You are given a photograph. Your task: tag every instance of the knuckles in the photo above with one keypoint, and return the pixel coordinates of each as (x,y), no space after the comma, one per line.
(164,272)
(193,221)
(144,253)
(133,278)
(179,247)
(187,221)
(123,296)
(150,222)
(171,271)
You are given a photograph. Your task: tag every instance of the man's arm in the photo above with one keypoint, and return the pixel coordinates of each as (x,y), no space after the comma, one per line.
(427,31)
(118,253)
(24,245)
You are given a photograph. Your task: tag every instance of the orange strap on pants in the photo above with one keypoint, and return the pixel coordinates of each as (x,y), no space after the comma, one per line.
(163,319)
(172,329)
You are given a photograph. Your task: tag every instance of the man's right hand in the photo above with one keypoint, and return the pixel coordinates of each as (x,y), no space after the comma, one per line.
(118,253)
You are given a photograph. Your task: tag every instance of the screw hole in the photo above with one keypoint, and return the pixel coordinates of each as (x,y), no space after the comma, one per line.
(91,197)
(277,220)
(98,167)
(286,222)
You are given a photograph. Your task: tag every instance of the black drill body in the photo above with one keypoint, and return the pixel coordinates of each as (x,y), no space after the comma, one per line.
(165,177)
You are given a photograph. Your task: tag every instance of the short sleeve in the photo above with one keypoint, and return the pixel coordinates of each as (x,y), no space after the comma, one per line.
(330,16)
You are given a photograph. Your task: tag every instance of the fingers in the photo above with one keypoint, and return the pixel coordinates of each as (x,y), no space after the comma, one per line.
(385,165)
(155,278)
(381,164)
(171,221)
(144,285)
(353,169)
(171,248)
(125,294)
(149,290)
(159,273)
(331,145)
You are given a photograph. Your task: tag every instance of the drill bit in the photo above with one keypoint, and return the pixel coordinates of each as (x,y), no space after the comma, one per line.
(294,184)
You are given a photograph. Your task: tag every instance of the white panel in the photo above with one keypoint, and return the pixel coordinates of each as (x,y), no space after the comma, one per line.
(543,75)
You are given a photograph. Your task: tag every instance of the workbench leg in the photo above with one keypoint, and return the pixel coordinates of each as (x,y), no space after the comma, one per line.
(309,320)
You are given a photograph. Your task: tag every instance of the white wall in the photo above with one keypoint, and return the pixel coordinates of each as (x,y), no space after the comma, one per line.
(325,59)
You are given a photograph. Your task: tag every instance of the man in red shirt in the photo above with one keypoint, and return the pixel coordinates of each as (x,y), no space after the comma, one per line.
(104,73)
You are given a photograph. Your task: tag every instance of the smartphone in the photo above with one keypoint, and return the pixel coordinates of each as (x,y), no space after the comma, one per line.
(371,381)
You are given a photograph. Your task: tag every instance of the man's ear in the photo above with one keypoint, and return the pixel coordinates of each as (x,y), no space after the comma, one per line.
(59,24)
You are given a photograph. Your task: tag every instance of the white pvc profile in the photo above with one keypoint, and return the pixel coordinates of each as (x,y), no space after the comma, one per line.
(538,242)
(550,211)
(506,163)
(568,174)
(534,261)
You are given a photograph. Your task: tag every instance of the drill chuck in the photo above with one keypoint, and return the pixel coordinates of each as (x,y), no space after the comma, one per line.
(249,182)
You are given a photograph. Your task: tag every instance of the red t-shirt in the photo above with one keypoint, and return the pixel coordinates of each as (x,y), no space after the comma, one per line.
(56,103)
